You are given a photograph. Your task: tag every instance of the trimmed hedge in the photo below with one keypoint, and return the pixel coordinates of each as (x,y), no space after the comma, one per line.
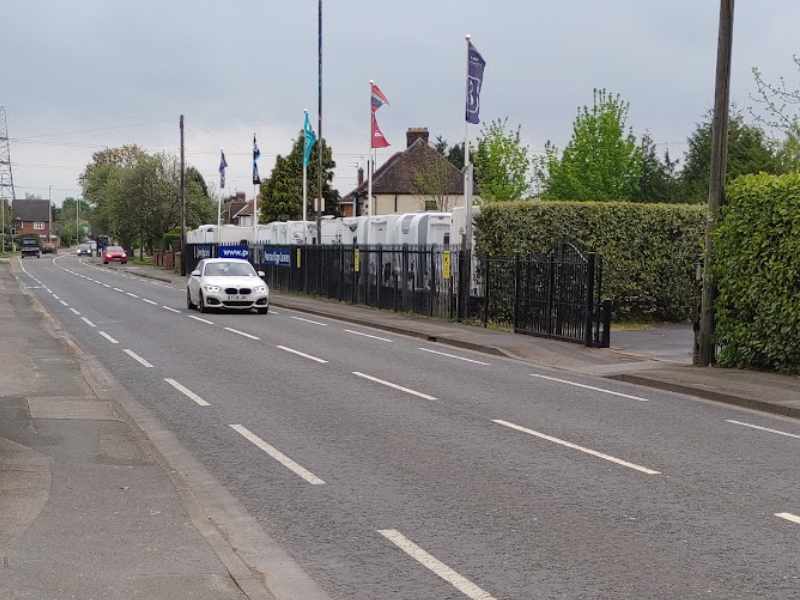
(649,250)
(757,265)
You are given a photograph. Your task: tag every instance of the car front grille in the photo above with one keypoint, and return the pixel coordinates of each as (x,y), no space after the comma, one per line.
(237,303)
(231,291)
(244,291)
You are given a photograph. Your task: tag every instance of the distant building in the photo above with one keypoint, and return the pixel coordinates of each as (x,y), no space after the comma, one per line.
(32,217)
(231,206)
(416,179)
(244,216)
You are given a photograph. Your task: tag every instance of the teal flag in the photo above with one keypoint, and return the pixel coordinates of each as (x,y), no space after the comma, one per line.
(311,139)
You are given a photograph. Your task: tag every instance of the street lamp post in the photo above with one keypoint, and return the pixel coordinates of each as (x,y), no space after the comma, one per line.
(320,146)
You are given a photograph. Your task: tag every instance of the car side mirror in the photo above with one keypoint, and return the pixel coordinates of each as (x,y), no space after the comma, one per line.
(195,273)
(261,274)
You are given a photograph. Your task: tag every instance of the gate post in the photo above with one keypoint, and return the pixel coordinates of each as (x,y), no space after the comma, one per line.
(487,294)
(589,308)
(516,292)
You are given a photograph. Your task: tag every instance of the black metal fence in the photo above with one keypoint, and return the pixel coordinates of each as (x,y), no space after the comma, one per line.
(556,295)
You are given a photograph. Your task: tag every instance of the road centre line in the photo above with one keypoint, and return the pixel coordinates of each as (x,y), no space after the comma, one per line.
(64,303)
(137,358)
(310,321)
(287,462)
(567,444)
(170,309)
(591,387)
(116,289)
(394,386)
(789,517)
(303,354)
(242,333)
(201,319)
(469,360)
(132,295)
(88,322)
(368,335)
(760,428)
(461,583)
(105,285)
(149,301)
(108,337)
(187,392)
(75,312)
(56,296)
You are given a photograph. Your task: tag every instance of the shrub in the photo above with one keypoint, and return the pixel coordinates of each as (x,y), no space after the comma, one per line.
(757,265)
(649,250)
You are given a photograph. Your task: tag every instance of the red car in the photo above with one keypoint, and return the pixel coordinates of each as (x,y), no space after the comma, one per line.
(114,254)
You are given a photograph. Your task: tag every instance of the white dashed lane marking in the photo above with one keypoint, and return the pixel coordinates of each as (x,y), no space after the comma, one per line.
(187,392)
(287,462)
(303,354)
(137,358)
(394,386)
(108,337)
(591,387)
(310,321)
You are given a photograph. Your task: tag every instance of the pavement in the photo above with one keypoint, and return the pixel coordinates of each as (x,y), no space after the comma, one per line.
(350,462)
(659,356)
(86,511)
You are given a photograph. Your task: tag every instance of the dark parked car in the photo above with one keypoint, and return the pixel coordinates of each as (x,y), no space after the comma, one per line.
(30,246)
(114,254)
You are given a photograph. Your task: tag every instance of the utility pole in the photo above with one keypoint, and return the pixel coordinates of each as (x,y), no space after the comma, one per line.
(7,191)
(183,206)
(716,190)
(321,145)
(49,212)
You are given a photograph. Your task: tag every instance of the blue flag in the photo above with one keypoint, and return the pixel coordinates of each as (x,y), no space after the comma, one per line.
(223,164)
(311,139)
(256,155)
(475,66)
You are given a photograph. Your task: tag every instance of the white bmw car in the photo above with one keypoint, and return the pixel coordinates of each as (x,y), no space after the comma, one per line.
(227,283)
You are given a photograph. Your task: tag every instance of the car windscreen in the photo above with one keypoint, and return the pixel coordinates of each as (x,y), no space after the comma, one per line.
(114,249)
(229,269)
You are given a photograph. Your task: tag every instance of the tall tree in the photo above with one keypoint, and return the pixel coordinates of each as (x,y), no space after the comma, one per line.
(282,193)
(602,160)
(502,162)
(780,110)
(659,180)
(749,151)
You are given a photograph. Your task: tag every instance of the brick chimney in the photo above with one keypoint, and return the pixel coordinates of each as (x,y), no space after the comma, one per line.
(415,133)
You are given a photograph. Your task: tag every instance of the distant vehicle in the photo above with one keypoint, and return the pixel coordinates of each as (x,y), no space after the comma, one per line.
(30,246)
(49,248)
(227,283)
(114,254)
(84,250)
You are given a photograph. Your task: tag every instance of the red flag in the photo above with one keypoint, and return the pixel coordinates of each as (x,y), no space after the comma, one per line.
(378,98)
(378,139)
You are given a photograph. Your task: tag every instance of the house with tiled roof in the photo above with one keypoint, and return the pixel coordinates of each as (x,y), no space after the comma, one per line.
(416,179)
(32,217)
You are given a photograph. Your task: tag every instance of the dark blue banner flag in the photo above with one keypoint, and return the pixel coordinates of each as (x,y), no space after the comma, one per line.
(475,66)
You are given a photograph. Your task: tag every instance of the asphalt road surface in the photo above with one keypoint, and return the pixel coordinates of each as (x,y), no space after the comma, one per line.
(392,468)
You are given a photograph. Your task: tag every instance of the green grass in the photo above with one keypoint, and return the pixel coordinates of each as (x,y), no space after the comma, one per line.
(146,261)
(631,325)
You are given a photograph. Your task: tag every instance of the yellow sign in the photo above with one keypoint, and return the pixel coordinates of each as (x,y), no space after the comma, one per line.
(446,264)
(356,261)
(299,258)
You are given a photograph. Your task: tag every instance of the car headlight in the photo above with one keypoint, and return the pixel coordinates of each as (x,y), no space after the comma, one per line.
(211,288)
(261,290)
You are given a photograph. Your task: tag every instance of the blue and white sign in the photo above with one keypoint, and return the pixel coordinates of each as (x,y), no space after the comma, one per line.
(280,257)
(239,251)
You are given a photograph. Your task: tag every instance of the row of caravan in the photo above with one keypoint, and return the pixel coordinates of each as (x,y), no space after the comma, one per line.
(424,229)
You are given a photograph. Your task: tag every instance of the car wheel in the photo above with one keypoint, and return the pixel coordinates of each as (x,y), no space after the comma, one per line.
(201,305)
(189,304)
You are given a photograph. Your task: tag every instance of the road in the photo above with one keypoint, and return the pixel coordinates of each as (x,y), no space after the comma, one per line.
(391,468)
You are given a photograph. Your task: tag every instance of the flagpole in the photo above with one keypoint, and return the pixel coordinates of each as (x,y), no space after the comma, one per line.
(370,208)
(467,165)
(219,205)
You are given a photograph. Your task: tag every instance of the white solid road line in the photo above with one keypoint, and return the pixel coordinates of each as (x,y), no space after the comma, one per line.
(278,455)
(149,301)
(469,360)
(791,435)
(108,337)
(137,358)
(567,444)
(88,322)
(394,385)
(310,321)
(201,319)
(367,335)
(591,387)
(789,517)
(170,309)
(242,333)
(187,392)
(75,312)
(303,354)
(461,583)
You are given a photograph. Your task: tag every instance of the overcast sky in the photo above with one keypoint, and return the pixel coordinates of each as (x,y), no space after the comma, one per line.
(78,75)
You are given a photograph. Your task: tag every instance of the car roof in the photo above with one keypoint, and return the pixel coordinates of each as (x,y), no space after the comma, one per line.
(219,260)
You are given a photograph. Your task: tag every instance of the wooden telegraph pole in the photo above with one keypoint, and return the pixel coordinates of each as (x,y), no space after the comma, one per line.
(716,190)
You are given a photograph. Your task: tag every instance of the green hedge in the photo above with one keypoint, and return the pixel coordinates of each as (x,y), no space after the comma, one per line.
(757,265)
(649,250)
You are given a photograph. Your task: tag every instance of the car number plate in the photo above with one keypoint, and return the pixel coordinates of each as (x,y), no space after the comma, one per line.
(235,297)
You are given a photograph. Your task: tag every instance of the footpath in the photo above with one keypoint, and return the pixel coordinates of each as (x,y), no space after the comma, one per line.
(86,510)
(660,357)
